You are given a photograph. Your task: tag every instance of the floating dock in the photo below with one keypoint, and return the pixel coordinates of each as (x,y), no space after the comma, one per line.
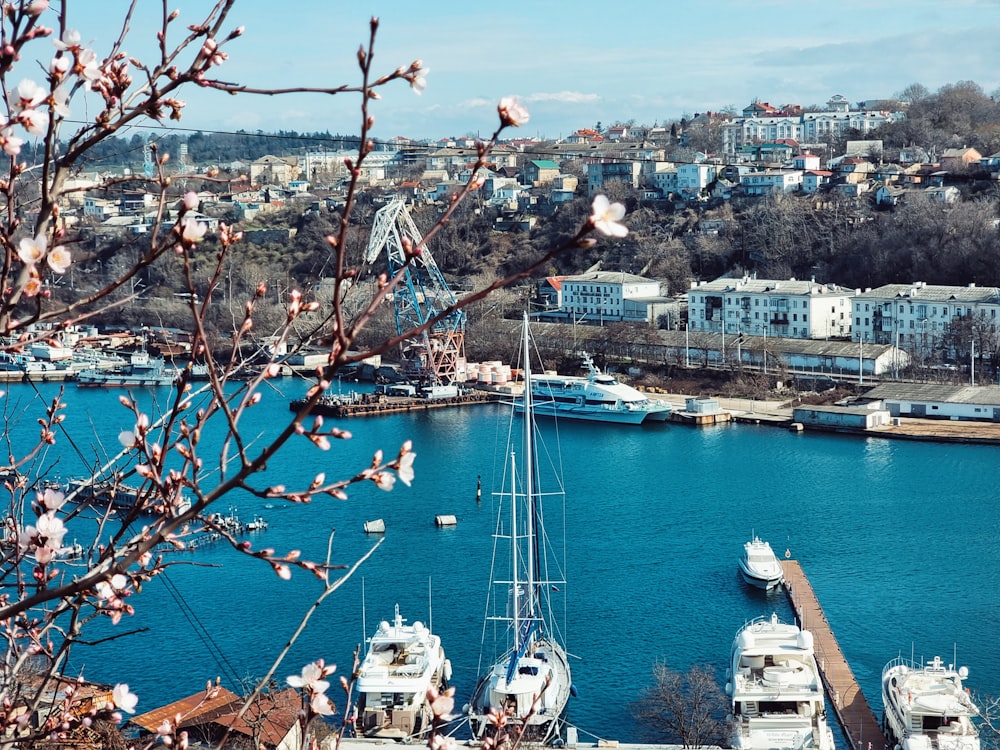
(853,712)
(373,404)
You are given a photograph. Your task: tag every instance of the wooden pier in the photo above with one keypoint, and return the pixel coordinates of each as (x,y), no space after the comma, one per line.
(853,712)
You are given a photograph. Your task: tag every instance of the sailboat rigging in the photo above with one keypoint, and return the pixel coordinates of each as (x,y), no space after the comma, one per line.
(529,682)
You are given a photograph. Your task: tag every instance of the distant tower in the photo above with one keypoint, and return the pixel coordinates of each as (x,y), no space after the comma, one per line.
(182,163)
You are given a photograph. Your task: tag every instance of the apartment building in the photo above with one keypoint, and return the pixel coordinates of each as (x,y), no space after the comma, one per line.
(786,308)
(918,316)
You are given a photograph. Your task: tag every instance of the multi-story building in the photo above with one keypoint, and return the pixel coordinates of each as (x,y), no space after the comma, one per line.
(693,178)
(918,316)
(764,307)
(771,181)
(601,172)
(764,123)
(609,296)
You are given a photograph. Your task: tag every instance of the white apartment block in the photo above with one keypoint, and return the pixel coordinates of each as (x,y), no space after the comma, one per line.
(607,296)
(693,178)
(763,307)
(807,127)
(771,181)
(917,316)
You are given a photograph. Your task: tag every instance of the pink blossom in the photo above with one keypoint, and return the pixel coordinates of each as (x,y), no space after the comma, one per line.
(193,231)
(69,41)
(607,217)
(51,499)
(190,200)
(37,7)
(11,144)
(32,249)
(512,112)
(405,469)
(123,698)
(127,438)
(32,286)
(59,102)
(322,705)
(51,529)
(384,480)
(27,95)
(35,121)
(418,81)
(59,66)
(59,259)
(87,66)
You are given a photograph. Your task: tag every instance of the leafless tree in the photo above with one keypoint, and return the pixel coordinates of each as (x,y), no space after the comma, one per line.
(686,707)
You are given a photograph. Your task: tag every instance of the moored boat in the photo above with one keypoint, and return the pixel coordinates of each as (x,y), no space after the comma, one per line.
(141,370)
(529,680)
(759,566)
(927,707)
(597,396)
(403,662)
(775,689)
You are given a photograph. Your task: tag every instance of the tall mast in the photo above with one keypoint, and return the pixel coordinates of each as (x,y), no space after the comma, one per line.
(529,472)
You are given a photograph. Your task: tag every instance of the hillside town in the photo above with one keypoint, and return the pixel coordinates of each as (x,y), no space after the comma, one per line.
(765,153)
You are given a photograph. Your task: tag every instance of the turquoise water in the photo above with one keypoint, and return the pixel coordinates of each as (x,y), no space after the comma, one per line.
(898,539)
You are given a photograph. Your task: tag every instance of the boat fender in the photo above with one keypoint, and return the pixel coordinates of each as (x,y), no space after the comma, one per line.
(572,690)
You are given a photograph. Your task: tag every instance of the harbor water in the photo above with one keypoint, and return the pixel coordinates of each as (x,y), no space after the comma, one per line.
(898,539)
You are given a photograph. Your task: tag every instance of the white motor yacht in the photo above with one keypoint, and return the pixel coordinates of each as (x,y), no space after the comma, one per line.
(402,662)
(759,566)
(926,706)
(776,691)
(597,397)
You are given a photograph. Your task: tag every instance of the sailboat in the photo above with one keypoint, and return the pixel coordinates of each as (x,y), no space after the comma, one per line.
(528,685)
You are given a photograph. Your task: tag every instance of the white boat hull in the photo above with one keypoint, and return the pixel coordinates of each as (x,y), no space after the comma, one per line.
(776,691)
(926,707)
(759,566)
(543,676)
(403,662)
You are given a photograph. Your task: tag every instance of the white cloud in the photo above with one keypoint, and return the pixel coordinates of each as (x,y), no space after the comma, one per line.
(565,97)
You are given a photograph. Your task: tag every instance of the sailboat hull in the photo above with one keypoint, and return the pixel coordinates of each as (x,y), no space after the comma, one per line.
(533,695)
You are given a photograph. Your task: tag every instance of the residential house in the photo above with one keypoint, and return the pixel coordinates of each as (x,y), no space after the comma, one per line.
(943,193)
(663,178)
(599,173)
(275,170)
(959,159)
(889,194)
(805,161)
(771,181)
(540,171)
(100,208)
(991,163)
(762,122)
(786,308)
(917,316)
(815,179)
(693,178)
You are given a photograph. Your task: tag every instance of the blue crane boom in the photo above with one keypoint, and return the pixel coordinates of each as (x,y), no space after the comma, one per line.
(433,356)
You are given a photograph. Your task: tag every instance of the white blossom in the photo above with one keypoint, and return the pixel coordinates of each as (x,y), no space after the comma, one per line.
(123,698)
(607,217)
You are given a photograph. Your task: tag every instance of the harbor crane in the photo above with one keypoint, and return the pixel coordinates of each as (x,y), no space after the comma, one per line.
(431,357)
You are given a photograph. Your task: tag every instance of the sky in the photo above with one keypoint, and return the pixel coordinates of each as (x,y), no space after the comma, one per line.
(573,64)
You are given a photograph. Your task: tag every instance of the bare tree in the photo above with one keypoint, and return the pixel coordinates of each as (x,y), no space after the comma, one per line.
(684,707)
